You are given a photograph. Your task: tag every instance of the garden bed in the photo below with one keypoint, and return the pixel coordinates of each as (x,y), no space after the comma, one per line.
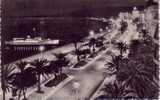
(80,64)
(93,55)
(56,81)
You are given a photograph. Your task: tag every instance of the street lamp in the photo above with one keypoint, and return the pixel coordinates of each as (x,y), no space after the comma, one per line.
(106,27)
(34,29)
(101,30)
(91,33)
(41,49)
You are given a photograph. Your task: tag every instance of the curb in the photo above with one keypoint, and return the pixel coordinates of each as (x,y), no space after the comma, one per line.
(35,87)
(42,85)
(91,61)
(59,87)
(97,57)
(96,93)
(98,90)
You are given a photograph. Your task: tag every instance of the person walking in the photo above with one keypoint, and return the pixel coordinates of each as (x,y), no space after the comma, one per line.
(75,90)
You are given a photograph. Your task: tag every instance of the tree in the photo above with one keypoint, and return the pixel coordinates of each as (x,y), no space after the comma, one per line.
(123,27)
(76,39)
(7,75)
(151,2)
(40,65)
(145,71)
(60,62)
(24,78)
(49,69)
(114,91)
(53,68)
(100,41)
(133,48)
(122,47)
(91,44)
(135,76)
(115,62)
(83,53)
(141,50)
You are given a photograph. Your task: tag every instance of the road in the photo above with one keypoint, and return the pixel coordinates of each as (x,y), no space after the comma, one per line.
(48,55)
(89,79)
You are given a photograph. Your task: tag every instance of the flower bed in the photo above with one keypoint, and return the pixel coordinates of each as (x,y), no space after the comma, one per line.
(80,64)
(56,81)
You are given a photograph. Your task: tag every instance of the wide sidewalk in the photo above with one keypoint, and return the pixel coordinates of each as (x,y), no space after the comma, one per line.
(84,77)
(50,56)
(52,90)
(89,79)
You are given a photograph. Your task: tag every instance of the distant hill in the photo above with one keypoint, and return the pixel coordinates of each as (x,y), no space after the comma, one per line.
(102,12)
(24,8)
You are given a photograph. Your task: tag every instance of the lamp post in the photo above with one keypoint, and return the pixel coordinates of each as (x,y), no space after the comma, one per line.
(100,30)
(92,39)
(91,33)
(34,31)
(41,49)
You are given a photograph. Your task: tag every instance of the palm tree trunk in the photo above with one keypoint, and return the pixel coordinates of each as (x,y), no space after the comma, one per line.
(75,45)
(93,48)
(24,94)
(3,82)
(39,84)
(121,52)
(78,55)
(76,50)
(4,95)
(19,96)
(78,58)
(60,74)
(56,77)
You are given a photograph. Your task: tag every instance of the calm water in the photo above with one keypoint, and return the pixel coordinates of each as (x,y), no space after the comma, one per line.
(65,29)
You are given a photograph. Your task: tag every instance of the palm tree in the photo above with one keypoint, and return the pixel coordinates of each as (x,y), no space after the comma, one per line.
(133,48)
(116,91)
(136,76)
(40,65)
(124,26)
(49,69)
(75,40)
(61,62)
(100,42)
(53,68)
(115,62)
(122,47)
(7,75)
(91,44)
(151,2)
(25,78)
(151,66)
(142,49)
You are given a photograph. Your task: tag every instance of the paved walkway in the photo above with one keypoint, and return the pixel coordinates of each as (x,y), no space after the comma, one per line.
(49,55)
(51,91)
(74,74)
(89,79)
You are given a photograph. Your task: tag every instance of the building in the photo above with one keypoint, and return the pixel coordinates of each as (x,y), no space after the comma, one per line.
(135,13)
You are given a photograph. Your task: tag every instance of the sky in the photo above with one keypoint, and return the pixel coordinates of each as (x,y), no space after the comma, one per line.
(53,7)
